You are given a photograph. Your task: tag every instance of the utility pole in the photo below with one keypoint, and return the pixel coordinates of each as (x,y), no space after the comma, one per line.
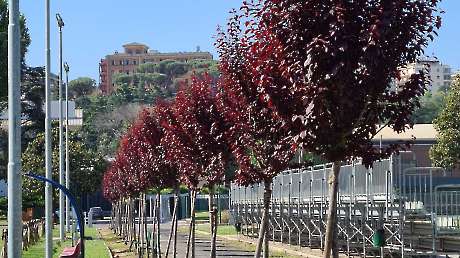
(48,150)
(67,160)
(14,133)
(60,23)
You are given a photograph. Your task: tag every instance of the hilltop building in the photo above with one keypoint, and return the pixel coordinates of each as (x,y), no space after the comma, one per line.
(135,54)
(440,74)
(455,74)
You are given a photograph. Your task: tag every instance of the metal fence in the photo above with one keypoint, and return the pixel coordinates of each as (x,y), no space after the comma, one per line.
(415,208)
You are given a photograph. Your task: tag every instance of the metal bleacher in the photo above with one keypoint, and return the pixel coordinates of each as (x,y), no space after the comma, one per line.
(418,208)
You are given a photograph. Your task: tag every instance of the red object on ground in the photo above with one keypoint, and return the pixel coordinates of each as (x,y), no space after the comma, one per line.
(71,252)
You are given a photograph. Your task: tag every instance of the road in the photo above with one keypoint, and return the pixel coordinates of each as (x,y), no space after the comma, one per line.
(202,243)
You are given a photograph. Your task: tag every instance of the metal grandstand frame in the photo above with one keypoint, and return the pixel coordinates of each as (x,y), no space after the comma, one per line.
(418,208)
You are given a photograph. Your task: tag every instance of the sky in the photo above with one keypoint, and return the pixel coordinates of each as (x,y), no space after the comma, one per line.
(96,28)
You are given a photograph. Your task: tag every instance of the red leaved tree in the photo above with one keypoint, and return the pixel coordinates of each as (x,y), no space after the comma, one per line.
(341,59)
(175,140)
(195,137)
(154,161)
(140,165)
(260,134)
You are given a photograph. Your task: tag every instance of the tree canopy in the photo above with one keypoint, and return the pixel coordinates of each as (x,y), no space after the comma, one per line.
(33,122)
(81,86)
(336,61)
(25,42)
(446,152)
(431,105)
(86,168)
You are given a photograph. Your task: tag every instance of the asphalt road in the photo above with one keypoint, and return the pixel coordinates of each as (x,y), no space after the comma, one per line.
(202,245)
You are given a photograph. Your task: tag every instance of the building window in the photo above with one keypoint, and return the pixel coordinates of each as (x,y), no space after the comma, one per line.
(121,62)
(113,62)
(138,52)
(134,62)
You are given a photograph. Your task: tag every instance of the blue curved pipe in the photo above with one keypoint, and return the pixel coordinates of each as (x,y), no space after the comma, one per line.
(73,202)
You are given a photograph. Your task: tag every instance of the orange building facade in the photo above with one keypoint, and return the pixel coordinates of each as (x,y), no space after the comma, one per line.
(134,55)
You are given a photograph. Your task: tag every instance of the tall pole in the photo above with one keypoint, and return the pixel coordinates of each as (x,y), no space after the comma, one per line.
(67,160)
(48,164)
(61,138)
(14,133)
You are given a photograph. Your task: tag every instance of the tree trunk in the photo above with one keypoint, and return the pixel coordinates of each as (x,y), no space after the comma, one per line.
(139,225)
(173,224)
(191,235)
(120,218)
(177,197)
(264,223)
(143,228)
(193,224)
(212,221)
(331,241)
(266,247)
(153,210)
(158,224)
(128,222)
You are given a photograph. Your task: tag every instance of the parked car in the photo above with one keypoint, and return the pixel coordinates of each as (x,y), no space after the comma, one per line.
(97,212)
(107,213)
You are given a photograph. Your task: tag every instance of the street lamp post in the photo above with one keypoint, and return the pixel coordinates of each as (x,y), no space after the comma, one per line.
(14,133)
(48,164)
(60,23)
(67,160)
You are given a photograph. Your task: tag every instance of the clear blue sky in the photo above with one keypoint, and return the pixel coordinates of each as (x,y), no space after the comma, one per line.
(95,28)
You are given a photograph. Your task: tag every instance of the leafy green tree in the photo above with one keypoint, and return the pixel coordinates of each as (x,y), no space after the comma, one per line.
(33,100)
(125,93)
(446,152)
(430,107)
(86,168)
(210,67)
(81,86)
(148,68)
(32,92)
(121,78)
(174,69)
(25,42)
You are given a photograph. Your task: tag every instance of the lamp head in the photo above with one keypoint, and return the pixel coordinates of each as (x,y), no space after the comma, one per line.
(66,67)
(59,20)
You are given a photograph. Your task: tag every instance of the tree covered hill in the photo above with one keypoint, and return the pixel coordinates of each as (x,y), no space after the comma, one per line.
(106,118)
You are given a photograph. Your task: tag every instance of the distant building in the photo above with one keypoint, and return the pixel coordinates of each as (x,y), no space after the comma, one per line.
(135,54)
(440,74)
(422,136)
(456,74)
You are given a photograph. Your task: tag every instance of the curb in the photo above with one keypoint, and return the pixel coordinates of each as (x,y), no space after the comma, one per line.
(105,244)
